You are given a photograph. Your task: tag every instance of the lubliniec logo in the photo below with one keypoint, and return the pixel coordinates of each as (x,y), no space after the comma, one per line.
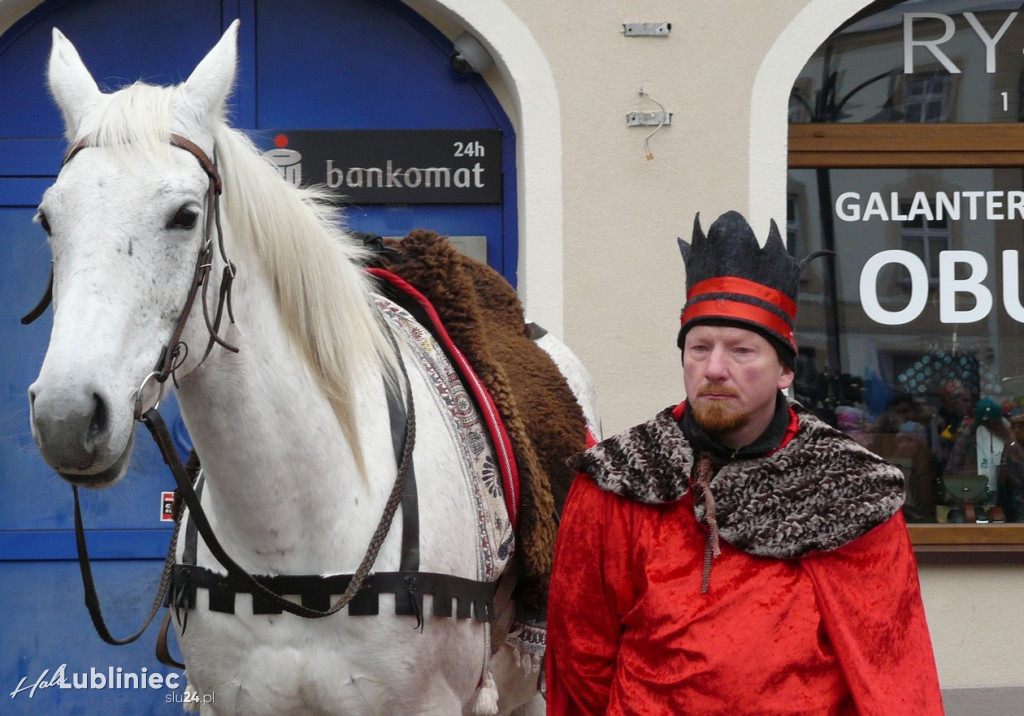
(111,678)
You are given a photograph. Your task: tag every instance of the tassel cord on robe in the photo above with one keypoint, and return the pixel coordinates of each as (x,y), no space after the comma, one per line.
(702,479)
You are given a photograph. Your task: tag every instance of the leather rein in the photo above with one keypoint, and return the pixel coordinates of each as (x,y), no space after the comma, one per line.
(171,356)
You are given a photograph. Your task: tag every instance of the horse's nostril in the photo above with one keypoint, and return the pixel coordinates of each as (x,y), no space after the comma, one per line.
(99,423)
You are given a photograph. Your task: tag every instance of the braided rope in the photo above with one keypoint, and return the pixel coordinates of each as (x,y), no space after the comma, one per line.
(394,499)
(92,601)
(702,479)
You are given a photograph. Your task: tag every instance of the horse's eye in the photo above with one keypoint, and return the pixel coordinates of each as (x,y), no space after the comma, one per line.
(184,218)
(44,222)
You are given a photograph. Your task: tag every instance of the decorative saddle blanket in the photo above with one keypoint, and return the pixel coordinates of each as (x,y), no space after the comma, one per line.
(505,467)
(470,334)
(469,429)
(482,314)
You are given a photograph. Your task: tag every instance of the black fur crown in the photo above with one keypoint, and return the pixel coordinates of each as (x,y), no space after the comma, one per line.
(732,280)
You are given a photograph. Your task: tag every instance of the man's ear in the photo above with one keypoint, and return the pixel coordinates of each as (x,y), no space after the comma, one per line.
(787,377)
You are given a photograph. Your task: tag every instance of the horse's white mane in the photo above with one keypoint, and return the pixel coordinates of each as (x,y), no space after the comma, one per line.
(295,235)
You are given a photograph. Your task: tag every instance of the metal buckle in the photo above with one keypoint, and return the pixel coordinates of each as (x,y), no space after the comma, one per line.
(138,395)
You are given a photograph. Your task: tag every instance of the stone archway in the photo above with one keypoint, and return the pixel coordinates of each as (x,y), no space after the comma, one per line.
(770,94)
(528,77)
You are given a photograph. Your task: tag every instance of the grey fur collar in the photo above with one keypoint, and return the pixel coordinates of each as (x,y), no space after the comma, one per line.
(818,493)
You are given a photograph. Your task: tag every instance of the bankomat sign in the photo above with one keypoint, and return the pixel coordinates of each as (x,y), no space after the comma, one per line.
(961,273)
(394,166)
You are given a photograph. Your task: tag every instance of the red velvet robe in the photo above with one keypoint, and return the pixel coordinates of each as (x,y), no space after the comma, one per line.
(838,632)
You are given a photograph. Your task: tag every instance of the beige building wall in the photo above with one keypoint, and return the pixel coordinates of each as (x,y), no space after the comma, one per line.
(599,263)
(724,71)
(568,76)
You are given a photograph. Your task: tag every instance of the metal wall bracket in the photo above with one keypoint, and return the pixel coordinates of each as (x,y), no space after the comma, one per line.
(646,29)
(648,119)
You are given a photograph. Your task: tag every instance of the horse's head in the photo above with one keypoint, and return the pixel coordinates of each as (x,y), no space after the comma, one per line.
(126,220)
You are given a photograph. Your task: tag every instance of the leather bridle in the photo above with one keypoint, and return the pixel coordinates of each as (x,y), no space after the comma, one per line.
(171,354)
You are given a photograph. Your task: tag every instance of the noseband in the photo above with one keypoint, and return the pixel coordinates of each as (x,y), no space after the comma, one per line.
(174,352)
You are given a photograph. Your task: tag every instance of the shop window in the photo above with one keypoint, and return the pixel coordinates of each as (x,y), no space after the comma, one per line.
(799,105)
(793,222)
(912,337)
(926,234)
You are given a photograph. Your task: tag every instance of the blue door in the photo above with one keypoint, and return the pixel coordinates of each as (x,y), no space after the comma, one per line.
(321,65)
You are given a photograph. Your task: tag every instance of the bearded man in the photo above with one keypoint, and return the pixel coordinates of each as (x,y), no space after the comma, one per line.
(735,554)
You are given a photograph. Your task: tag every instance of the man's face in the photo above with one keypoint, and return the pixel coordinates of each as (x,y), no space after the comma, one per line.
(1018,431)
(956,398)
(732,376)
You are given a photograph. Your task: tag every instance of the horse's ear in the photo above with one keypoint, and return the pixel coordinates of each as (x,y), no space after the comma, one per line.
(71,84)
(210,83)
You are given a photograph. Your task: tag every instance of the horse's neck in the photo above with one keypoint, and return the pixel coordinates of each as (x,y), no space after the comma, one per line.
(282,481)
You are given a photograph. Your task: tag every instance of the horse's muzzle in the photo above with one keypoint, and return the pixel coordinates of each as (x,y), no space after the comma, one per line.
(74,433)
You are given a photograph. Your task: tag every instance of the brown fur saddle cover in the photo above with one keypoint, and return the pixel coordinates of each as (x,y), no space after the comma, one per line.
(485,319)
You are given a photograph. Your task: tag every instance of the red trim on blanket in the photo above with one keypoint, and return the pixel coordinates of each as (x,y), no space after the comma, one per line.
(490,414)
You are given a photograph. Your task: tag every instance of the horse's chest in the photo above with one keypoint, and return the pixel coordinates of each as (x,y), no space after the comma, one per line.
(282,665)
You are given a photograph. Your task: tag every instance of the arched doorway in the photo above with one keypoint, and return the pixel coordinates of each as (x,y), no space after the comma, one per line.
(306,66)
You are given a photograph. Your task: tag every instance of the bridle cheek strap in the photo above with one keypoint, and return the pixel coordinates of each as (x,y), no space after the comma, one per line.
(44,302)
(171,353)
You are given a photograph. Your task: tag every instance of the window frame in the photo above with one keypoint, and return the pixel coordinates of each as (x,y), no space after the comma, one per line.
(923,100)
(929,236)
(882,146)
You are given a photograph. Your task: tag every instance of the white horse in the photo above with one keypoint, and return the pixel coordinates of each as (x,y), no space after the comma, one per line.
(293,429)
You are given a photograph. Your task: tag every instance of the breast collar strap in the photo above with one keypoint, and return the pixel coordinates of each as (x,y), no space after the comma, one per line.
(475,599)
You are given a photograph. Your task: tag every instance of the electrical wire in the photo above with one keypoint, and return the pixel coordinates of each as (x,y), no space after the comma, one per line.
(647,140)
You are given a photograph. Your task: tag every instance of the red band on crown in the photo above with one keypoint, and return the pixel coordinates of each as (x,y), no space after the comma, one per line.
(722,308)
(744,287)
